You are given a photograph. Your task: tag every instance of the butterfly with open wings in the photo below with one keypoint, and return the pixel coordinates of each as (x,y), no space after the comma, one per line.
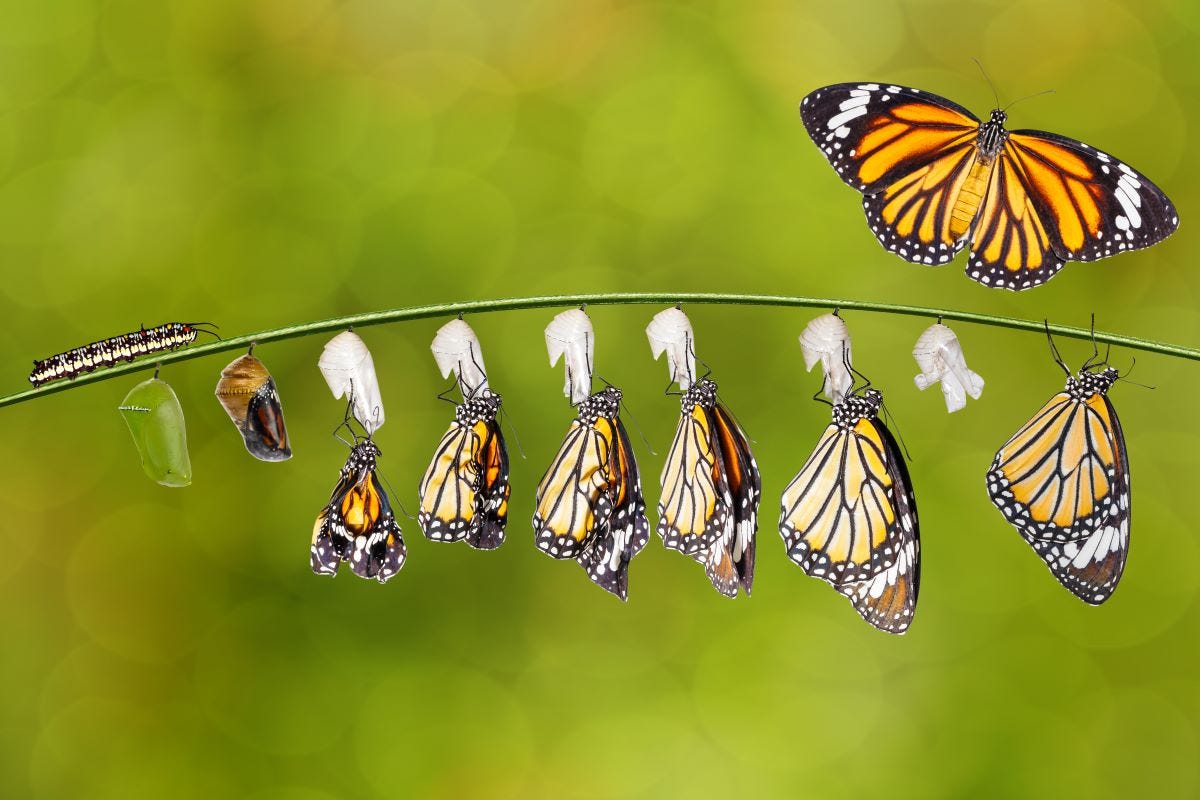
(935,179)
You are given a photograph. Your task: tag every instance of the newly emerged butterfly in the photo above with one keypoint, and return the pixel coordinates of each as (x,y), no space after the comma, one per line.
(464,494)
(589,502)
(358,525)
(155,420)
(849,516)
(710,482)
(710,491)
(115,349)
(1062,481)
(935,179)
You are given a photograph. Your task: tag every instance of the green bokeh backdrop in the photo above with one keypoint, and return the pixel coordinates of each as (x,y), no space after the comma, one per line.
(269,162)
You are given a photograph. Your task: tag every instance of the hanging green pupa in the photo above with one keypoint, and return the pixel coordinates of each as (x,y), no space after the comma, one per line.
(155,419)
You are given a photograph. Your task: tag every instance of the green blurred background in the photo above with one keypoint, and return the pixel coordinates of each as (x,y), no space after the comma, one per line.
(265,163)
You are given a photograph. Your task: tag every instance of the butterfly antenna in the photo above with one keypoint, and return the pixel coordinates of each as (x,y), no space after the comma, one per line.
(640,431)
(516,436)
(893,425)
(1054,349)
(392,492)
(1125,377)
(1028,97)
(988,79)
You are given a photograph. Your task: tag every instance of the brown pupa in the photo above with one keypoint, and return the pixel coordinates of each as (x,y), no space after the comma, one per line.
(247,392)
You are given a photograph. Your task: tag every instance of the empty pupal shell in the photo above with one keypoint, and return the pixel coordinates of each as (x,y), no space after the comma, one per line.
(155,420)
(940,357)
(456,349)
(670,332)
(827,340)
(350,372)
(569,336)
(247,393)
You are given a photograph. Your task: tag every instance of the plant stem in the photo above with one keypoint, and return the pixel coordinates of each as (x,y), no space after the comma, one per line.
(566,301)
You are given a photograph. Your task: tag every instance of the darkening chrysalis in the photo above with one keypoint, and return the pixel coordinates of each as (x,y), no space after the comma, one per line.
(155,419)
(247,393)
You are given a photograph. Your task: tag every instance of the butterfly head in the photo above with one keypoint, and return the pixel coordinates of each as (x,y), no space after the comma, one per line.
(1086,383)
(858,406)
(605,403)
(485,405)
(362,457)
(703,393)
(992,134)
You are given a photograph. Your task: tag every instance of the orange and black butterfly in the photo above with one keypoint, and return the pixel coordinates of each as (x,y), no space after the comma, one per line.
(1062,481)
(710,491)
(935,178)
(589,502)
(849,516)
(464,494)
(358,524)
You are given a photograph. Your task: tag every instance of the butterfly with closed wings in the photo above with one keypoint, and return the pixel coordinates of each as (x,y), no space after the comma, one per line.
(935,179)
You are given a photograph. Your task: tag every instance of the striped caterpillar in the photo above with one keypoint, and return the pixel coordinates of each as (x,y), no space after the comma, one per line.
(111,351)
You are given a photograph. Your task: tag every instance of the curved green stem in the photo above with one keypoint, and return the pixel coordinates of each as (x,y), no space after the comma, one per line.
(563,301)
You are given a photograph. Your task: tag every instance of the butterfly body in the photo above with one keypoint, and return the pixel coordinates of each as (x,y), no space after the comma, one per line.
(358,525)
(1063,482)
(589,503)
(935,180)
(849,516)
(464,494)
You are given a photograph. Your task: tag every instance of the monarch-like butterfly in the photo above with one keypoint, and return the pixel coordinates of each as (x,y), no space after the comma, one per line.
(710,491)
(113,350)
(358,524)
(155,420)
(935,178)
(589,502)
(1062,481)
(247,392)
(464,494)
(849,517)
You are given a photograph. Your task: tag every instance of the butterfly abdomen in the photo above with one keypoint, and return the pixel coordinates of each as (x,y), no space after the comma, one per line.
(970,197)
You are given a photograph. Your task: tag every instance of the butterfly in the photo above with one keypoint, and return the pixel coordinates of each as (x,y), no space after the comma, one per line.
(849,516)
(1062,481)
(464,494)
(710,491)
(358,524)
(589,502)
(935,178)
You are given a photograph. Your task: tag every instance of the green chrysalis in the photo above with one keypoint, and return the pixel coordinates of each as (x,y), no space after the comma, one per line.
(155,419)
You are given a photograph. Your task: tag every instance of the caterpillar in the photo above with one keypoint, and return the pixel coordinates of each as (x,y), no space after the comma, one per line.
(113,350)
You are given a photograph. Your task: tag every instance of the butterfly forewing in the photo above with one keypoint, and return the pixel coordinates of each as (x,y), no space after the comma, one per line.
(745,486)
(696,506)
(606,559)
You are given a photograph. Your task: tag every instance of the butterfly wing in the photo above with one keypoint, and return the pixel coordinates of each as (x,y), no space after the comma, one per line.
(571,499)
(626,529)
(745,487)
(358,526)
(494,488)
(849,519)
(449,488)
(1063,482)
(696,506)
(889,600)
(909,152)
(1053,200)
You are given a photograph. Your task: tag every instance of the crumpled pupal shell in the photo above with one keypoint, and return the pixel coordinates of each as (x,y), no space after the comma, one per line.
(670,332)
(827,340)
(456,349)
(349,370)
(247,393)
(569,336)
(155,420)
(940,357)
